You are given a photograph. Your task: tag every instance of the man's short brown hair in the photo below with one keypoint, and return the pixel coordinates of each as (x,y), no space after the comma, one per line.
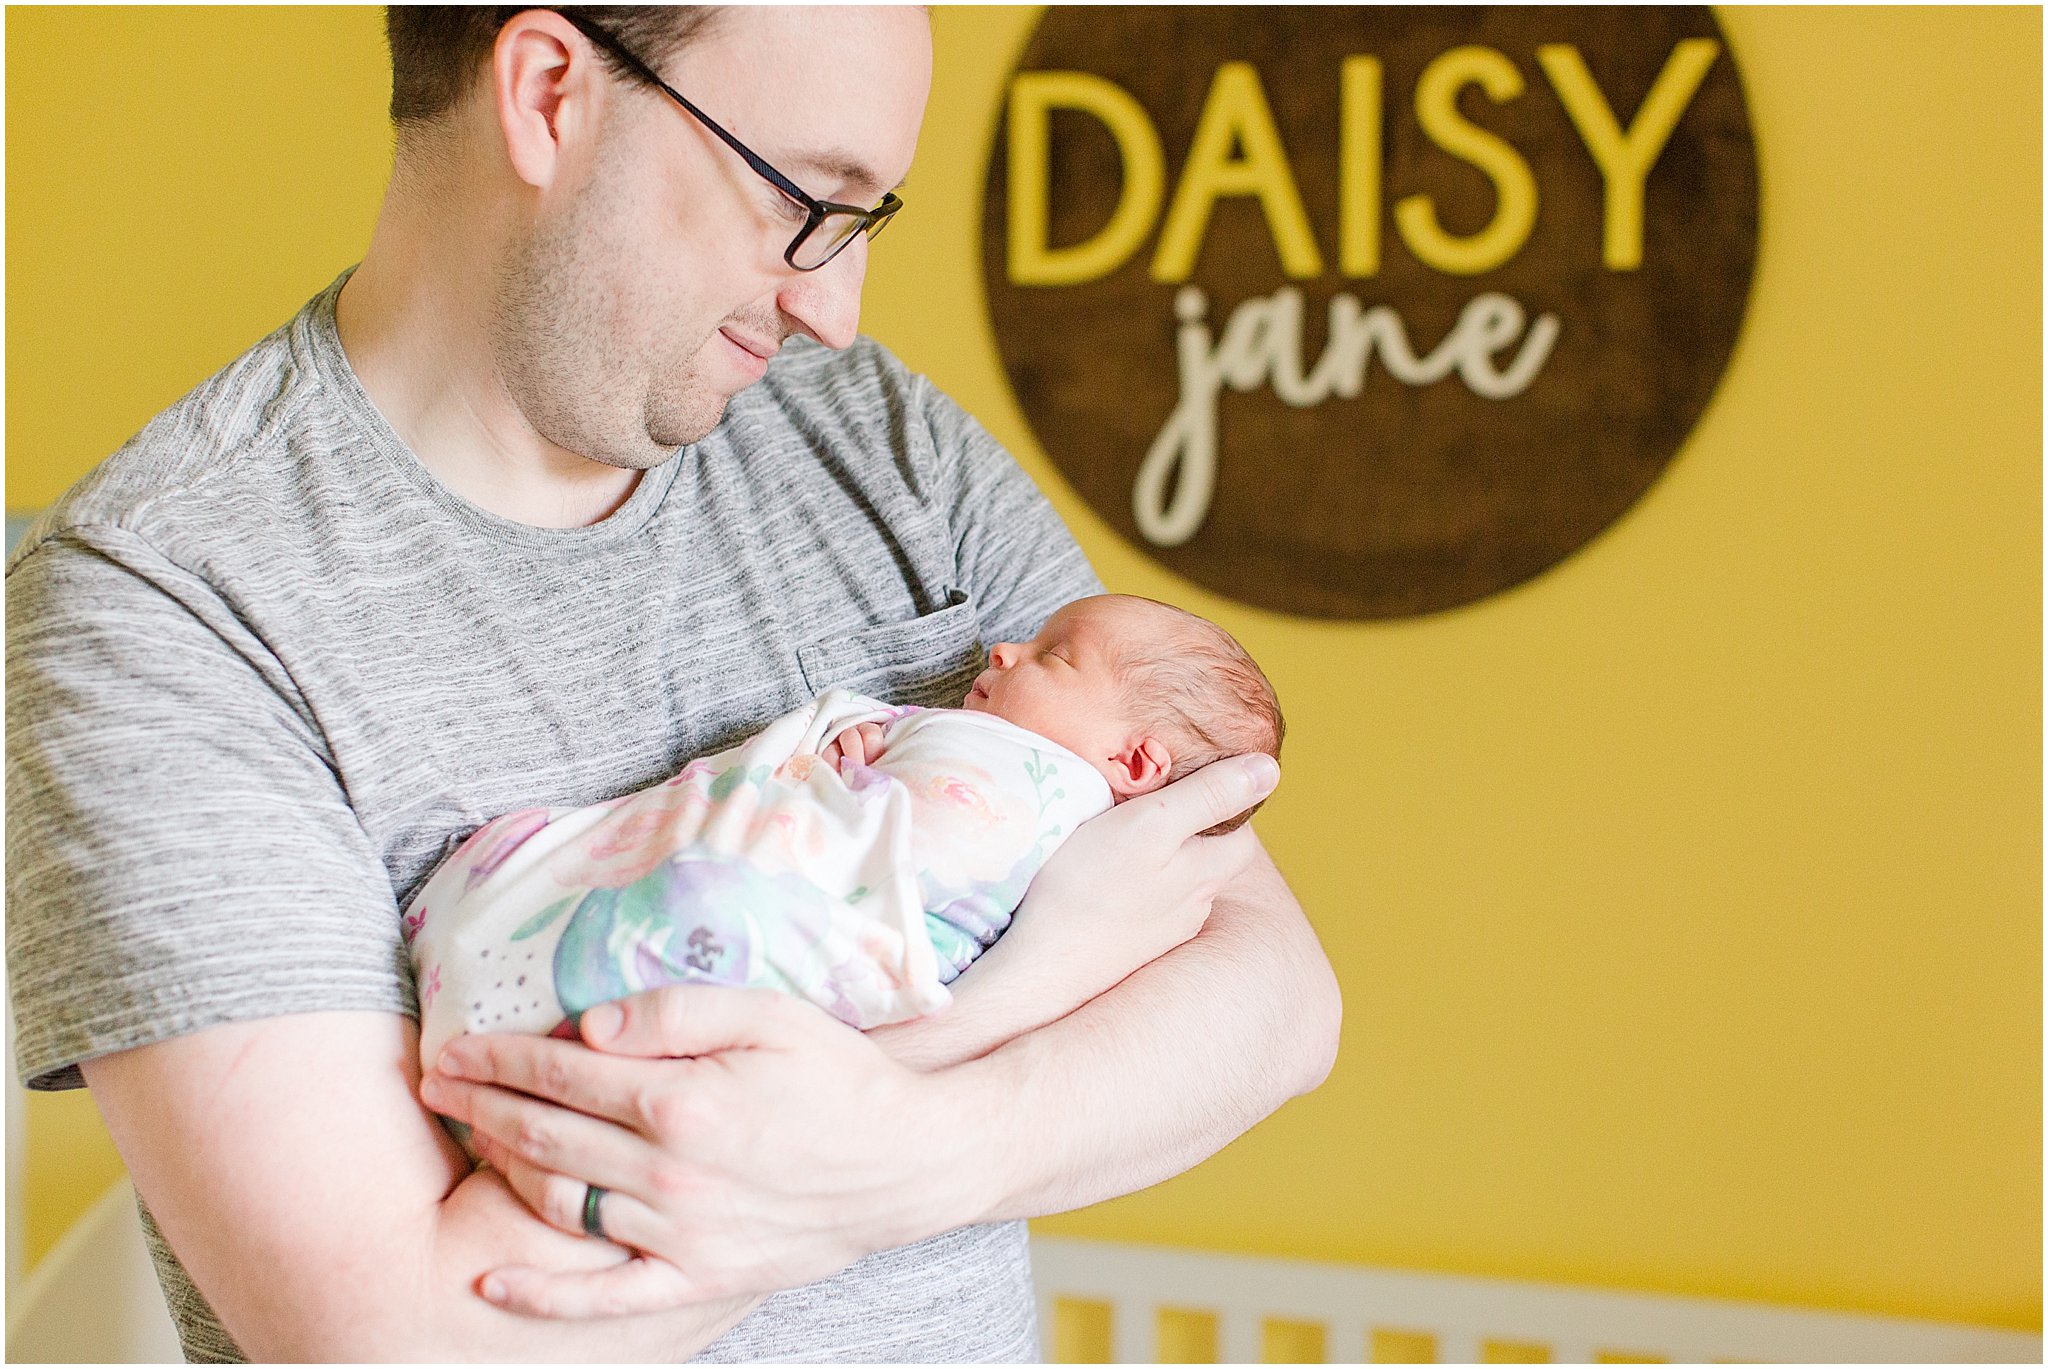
(437,50)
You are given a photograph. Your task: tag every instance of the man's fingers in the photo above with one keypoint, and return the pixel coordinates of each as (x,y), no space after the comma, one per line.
(495,1155)
(560,1071)
(1214,793)
(558,1199)
(541,1134)
(693,1019)
(555,1198)
(643,1284)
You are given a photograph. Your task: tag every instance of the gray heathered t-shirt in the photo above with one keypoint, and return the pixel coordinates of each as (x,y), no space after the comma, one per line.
(263,672)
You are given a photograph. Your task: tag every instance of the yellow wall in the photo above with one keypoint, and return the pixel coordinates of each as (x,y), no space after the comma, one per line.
(1686,900)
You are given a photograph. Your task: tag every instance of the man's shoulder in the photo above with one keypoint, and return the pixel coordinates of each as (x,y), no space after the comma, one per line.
(211,466)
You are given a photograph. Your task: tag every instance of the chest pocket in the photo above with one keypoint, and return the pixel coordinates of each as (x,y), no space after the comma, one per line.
(929,661)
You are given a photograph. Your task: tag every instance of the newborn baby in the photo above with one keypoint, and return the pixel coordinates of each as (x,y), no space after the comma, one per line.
(854,853)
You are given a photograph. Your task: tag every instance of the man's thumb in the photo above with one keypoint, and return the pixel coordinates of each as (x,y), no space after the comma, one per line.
(1220,791)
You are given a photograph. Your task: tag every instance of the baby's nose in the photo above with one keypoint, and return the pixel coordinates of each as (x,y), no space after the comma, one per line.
(1003,655)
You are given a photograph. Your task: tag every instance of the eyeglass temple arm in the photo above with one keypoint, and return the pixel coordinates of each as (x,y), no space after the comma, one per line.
(645,72)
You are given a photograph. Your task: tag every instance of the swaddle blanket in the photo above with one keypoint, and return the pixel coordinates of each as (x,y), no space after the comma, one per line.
(865,892)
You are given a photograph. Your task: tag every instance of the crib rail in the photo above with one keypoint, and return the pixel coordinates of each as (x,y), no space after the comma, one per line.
(94,1299)
(1257,1304)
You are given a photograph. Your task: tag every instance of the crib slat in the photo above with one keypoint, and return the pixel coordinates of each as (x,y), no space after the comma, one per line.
(1455,1345)
(1132,1331)
(1344,1341)
(1240,1337)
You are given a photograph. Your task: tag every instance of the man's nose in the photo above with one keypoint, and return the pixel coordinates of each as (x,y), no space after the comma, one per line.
(826,302)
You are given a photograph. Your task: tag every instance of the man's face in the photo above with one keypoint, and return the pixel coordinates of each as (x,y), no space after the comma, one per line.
(652,286)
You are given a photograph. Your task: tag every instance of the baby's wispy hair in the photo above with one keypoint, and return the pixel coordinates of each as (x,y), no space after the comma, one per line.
(1206,698)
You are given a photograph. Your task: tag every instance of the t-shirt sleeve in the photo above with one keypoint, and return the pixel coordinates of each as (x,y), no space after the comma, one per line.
(180,850)
(1014,554)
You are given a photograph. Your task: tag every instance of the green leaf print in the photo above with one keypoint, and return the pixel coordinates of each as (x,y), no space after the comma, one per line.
(735,777)
(1040,770)
(538,923)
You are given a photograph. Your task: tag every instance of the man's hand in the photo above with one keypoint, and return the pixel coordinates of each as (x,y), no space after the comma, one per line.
(785,1145)
(777,1148)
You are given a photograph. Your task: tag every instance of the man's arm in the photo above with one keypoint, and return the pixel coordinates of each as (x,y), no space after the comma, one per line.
(1062,952)
(1035,1059)
(1166,1069)
(325,1215)
(181,853)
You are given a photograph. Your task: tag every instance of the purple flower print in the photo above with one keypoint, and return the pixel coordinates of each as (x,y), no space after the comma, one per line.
(864,782)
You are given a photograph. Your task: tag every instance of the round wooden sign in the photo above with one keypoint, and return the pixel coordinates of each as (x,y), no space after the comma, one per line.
(1366,313)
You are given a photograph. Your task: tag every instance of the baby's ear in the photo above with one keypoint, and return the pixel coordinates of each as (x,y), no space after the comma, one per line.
(1139,768)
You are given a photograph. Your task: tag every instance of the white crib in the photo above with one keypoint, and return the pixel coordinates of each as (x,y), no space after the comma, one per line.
(1360,1314)
(94,1299)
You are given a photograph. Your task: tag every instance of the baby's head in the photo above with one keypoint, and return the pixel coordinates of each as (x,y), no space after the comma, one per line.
(1143,691)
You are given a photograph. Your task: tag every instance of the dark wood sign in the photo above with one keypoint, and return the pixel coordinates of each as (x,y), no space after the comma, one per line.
(1365,313)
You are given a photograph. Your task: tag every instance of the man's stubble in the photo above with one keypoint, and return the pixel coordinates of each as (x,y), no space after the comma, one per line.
(596,360)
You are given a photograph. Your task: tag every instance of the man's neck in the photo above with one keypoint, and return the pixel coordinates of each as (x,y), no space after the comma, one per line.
(413,322)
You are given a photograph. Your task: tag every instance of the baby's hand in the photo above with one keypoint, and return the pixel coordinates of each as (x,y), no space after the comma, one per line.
(861,744)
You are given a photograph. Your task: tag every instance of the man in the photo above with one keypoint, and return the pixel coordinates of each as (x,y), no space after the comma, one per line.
(580,473)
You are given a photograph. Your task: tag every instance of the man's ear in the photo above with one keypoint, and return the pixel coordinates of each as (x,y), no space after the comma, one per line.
(1139,768)
(544,77)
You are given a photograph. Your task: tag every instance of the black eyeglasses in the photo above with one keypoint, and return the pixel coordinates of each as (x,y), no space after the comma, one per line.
(828,227)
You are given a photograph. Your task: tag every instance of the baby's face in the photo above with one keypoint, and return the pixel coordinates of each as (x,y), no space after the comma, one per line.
(1062,684)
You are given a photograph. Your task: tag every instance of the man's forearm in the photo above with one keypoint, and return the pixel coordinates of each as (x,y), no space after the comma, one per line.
(340,1222)
(1164,1070)
(1002,995)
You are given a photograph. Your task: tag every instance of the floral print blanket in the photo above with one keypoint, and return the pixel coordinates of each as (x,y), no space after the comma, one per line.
(865,889)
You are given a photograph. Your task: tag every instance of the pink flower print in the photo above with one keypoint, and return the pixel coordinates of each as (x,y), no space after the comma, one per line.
(694,770)
(884,952)
(628,845)
(430,988)
(956,792)
(497,839)
(783,833)
(967,824)
(413,922)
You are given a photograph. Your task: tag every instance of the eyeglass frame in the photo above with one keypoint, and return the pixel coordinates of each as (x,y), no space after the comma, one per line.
(872,220)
